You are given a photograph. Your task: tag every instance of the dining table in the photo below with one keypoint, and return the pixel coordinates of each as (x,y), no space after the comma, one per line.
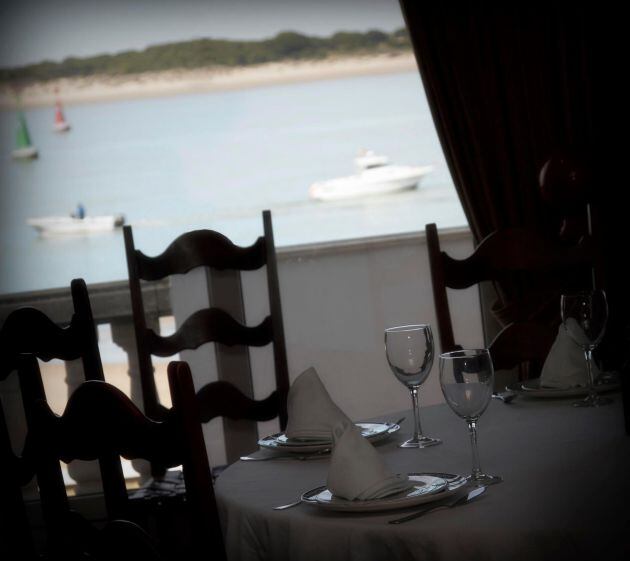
(564,494)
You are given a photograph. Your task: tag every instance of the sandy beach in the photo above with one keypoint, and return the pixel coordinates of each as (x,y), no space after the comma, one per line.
(110,88)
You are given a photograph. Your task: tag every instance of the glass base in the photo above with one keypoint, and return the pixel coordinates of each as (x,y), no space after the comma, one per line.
(593,400)
(421,442)
(483,479)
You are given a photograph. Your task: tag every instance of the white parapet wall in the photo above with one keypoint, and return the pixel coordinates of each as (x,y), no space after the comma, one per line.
(337,298)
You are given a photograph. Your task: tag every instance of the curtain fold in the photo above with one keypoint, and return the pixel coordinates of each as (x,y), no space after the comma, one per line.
(508,86)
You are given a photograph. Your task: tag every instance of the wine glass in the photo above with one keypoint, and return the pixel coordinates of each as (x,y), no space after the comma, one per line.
(467,379)
(584,316)
(409,350)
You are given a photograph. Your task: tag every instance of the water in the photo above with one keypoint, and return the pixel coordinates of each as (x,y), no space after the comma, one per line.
(215,160)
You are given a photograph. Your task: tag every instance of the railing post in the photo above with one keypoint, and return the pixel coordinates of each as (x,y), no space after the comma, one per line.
(124,336)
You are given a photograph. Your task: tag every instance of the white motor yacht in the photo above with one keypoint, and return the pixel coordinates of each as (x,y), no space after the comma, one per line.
(375,177)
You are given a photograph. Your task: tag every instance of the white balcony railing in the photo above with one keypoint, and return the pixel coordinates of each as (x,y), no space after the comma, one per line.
(336,298)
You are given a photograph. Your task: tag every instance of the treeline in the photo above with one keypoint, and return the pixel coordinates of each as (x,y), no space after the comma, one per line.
(201,53)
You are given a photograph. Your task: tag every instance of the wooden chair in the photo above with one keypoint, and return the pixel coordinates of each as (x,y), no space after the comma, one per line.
(514,260)
(28,332)
(207,248)
(100,421)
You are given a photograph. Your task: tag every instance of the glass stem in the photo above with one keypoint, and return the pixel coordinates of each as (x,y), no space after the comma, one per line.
(589,368)
(472,431)
(417,429)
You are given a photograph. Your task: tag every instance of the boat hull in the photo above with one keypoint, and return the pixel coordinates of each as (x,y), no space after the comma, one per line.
(26,153)
(61,127)
(66,225)
(378,181)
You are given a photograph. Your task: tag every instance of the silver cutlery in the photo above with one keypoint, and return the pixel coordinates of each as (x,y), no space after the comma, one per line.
(454,500)
(504,397)
(395,423)
(301,457)
(307,494)
(288,505)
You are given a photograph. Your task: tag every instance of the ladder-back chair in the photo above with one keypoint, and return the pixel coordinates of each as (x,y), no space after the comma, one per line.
(100,421)
(28,332)
(207,248)
(514,257)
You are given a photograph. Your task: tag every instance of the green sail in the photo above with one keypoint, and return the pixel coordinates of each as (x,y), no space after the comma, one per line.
(23,138)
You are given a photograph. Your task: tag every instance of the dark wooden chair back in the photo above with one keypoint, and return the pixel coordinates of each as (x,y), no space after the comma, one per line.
(30,331)
(521,342)
(28,334)
(506,257)
(207,248)
(100,421)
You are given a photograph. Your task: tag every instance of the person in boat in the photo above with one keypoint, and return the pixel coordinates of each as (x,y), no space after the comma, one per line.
(79,212)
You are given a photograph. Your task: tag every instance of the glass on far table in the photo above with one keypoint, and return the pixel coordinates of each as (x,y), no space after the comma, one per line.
(409,351)
(467,379)
(584,317)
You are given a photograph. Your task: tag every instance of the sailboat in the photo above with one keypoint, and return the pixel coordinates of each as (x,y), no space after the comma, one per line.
(61,125)
(24,149)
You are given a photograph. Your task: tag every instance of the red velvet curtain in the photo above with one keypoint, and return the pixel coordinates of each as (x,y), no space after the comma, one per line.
(509,86)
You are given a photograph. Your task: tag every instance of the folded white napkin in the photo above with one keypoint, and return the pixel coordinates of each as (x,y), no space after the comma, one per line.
(357,471)
(565,365)
(312,413)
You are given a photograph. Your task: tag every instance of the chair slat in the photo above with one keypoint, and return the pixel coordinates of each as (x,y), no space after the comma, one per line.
(209,325)
(200,248)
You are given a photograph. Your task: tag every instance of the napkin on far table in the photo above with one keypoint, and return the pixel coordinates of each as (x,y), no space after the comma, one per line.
(312,413)
(357,471)
(565,365)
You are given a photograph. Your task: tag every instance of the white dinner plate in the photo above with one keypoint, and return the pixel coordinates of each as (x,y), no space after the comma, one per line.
(426,488)
(372,431)
(532,388)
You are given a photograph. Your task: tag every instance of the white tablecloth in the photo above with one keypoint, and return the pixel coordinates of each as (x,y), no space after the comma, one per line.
(566,477)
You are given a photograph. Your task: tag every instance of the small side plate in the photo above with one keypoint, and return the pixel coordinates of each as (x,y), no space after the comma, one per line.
(372,431)
(532,388)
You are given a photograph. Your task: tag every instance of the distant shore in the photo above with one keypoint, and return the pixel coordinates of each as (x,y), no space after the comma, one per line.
(175,82)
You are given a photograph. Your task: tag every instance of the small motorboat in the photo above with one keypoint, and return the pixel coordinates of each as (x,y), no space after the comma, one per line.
(24,149)
(375,177)
(65,225)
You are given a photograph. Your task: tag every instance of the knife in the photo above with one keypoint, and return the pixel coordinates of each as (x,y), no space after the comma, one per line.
(454,500)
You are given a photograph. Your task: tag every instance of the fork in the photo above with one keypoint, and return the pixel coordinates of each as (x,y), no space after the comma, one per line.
(288,505)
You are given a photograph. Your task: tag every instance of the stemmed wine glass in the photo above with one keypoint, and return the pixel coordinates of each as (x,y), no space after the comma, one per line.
(467,379)
(584,316)
(409,350)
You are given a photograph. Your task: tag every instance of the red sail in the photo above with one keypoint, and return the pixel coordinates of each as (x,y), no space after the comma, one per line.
(59,118)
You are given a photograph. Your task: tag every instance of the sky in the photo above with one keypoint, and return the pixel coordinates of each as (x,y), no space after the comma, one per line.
(35,30)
